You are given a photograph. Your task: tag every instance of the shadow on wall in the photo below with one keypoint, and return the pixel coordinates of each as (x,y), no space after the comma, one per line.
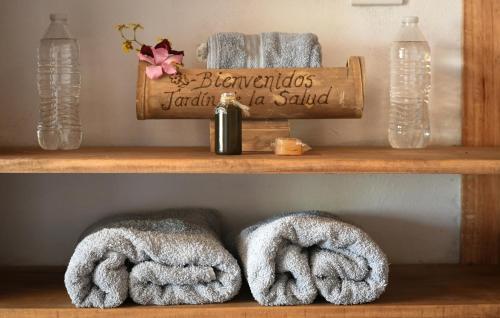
(406,215)
(405,240)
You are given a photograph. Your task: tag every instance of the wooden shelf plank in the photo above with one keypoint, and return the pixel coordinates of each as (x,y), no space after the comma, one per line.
(455,291)
(444,160)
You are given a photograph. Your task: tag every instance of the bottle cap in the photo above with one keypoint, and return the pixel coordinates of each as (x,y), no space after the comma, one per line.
(226,98)
(58,17)
(407,20)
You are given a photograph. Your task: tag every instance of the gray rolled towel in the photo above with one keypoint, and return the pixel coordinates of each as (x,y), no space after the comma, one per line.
(288,259)
(265,50)
(173,257)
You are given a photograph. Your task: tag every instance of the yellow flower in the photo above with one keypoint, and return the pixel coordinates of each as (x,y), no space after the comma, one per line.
(127,46)
(135,26)
(120,27)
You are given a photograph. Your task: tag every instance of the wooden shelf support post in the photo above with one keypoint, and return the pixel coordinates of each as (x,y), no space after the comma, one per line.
(480,237)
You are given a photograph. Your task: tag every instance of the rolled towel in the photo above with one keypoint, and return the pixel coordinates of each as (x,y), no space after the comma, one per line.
(288,259)
(174,257)
(265,50)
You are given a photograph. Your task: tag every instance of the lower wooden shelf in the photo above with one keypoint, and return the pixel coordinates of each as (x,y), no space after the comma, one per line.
(454,291)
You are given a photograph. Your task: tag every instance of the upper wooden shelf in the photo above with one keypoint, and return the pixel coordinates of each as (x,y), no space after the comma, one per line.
(446,291)
(442,160)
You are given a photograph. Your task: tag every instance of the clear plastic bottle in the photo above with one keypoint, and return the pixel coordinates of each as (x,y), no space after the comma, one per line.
(59,88)
(409,125)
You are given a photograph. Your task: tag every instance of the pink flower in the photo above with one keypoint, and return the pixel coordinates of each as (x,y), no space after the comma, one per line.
(161,59)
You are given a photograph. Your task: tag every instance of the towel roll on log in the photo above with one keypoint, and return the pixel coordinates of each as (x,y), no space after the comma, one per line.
(265,50)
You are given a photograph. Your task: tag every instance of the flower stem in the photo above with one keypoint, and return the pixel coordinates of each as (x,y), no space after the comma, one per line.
(134,40)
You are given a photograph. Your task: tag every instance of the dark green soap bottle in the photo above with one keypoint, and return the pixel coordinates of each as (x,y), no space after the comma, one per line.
(228,119)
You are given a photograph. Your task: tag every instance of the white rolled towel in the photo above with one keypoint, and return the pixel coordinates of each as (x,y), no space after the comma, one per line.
(288,260)
(174,257)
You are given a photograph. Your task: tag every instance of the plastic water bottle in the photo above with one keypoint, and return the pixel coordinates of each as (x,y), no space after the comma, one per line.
(409,125)
(59,88)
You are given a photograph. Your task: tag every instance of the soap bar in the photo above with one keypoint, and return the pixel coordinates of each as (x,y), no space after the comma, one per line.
(289,147)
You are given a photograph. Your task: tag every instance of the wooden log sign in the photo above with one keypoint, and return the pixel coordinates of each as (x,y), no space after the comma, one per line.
(274,93)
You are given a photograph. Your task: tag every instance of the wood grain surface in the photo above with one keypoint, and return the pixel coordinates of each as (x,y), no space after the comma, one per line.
(480,239)
(273,93)
(444,291)
(455,160)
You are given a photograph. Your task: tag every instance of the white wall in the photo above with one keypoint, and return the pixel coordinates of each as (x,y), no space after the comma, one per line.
(414,219)
(43,214)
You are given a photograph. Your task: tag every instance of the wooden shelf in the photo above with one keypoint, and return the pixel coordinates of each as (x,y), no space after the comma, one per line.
(454,291)
(452,160)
